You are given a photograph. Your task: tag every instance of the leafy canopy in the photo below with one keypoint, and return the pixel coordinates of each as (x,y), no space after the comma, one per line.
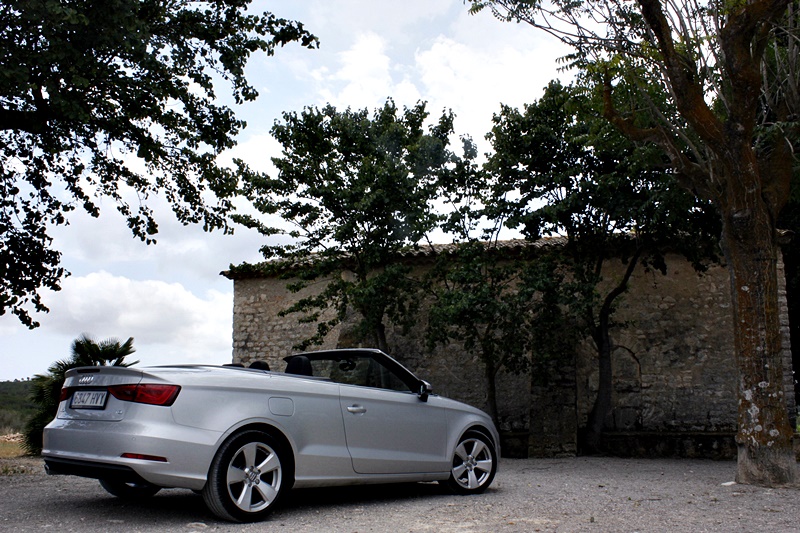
(116,99)
(491,296)
(355,189)
(717,82)
(559,168)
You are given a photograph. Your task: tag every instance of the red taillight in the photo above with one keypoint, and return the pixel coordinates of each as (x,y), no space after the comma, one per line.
(126,393)
(151,394)
(65,392)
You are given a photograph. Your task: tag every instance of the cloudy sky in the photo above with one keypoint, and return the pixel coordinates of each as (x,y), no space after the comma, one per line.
(170,297)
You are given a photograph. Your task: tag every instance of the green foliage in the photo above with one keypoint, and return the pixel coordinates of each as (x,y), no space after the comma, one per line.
(15,405)
(504,305)
(46,388)
(116,99)
(356,189)
(560,169)
(501,301)
(13,394)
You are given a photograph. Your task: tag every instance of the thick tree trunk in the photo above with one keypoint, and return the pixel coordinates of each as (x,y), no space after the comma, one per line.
(764,437)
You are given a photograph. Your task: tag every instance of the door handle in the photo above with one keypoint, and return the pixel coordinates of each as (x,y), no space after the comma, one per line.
(357,409)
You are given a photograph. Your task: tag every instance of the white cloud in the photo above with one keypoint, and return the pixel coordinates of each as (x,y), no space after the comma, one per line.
(153,308)
(257,150)
(398,21)
(154,312)
(364,77)
(469,71)
(169,323)
(474,81)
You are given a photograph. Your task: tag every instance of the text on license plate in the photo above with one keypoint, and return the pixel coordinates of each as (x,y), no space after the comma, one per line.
(92,399)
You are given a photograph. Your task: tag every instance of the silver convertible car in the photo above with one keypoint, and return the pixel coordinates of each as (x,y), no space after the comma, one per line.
(243,436)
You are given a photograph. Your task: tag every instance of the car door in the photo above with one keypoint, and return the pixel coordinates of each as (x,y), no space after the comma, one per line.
(393,432)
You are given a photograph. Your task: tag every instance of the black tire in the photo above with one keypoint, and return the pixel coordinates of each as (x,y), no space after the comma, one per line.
(474,464)
(129,490)
(247,477)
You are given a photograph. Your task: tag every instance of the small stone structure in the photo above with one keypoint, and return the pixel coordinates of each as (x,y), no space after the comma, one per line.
(674,372)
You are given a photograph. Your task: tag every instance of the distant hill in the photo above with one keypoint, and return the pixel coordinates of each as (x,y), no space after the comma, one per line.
(15,405)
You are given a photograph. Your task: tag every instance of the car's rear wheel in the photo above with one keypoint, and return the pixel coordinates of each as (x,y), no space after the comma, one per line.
(247,477)
(474,464)
(129,490)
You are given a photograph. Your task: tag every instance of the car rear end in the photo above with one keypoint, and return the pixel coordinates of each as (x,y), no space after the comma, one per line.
(117,423)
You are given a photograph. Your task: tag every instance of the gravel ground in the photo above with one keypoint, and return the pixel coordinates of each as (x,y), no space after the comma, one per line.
(549,495)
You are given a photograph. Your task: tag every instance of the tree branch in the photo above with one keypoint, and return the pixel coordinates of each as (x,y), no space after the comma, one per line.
(688,173)
(682,73)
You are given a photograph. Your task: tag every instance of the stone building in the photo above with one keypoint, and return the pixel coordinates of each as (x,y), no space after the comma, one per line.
(674,373)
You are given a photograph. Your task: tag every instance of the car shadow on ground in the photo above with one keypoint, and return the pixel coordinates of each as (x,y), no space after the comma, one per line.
(360,494)
(177,506)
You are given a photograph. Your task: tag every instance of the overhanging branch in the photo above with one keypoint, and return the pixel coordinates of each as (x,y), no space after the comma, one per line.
(689,174)
(682,73)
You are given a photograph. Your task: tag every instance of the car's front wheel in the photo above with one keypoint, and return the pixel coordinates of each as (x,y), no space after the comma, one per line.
(129,490)
(246,478)
(474,464)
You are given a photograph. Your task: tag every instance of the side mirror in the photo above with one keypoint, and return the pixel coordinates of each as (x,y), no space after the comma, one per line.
(425,390)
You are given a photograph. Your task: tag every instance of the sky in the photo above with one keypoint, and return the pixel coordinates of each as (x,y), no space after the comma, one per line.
(170,297)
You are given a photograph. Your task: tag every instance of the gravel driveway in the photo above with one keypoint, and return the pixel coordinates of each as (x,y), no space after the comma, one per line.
(564,495)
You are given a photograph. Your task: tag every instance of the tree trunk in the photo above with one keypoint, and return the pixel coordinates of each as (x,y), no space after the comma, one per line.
(379,336)
(491,393)
(602,405)
(601,333)
(764,437)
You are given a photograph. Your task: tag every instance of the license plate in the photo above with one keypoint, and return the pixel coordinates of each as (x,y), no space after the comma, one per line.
(91,399)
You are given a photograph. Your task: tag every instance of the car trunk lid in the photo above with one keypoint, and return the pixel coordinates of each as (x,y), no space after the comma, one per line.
(86,394)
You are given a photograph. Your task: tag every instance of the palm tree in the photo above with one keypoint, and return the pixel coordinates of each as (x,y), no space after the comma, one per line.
(46,388)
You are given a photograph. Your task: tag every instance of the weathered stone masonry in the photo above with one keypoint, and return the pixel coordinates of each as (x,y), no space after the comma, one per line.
(675,377)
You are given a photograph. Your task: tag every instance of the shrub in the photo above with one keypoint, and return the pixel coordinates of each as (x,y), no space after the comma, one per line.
(46,388)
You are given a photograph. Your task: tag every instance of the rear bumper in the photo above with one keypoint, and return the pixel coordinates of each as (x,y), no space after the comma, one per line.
(95,449)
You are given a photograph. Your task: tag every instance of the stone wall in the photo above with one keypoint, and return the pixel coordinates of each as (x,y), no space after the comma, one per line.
(675,378)
(674,362)
(258,331)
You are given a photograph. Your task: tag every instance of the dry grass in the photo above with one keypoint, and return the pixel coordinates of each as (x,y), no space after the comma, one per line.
(11,446)
(13,460)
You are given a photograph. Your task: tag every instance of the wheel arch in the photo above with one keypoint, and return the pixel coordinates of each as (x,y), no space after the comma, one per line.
(273,432)
(482,429)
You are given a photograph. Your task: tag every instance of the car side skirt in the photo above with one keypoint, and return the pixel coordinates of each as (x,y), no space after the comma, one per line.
(364,479)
